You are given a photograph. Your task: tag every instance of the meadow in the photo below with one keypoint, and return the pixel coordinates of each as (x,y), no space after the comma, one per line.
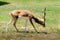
(37,6)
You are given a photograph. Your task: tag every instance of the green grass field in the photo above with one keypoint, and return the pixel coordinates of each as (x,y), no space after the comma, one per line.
(52,19)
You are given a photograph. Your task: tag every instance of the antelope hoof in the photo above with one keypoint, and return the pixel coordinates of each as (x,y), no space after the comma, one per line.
(44,25)
(18,31)
(37,32)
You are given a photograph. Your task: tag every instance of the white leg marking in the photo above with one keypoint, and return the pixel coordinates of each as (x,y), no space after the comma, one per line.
(8,24)
(26,20)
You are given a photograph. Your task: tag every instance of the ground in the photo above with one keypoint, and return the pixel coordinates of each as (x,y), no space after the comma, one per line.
(36,6)
(29,36)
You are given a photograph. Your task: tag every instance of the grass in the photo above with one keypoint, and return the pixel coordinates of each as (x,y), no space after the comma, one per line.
(52,16)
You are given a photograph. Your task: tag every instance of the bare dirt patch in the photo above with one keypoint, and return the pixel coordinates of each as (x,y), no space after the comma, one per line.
(28,36)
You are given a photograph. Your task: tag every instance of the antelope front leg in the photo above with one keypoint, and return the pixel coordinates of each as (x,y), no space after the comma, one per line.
(32,24)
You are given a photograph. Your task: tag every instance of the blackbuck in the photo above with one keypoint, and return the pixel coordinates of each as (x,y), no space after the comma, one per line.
(27,14)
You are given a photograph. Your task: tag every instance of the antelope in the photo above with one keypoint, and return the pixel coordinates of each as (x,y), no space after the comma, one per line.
(27,14)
